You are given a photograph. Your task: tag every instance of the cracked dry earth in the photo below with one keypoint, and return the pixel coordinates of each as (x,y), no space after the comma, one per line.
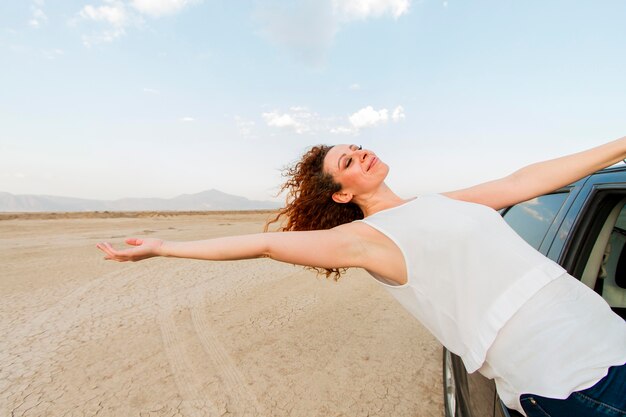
(178,338)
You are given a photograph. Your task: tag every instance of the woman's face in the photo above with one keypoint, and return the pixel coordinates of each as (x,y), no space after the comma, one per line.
(359,171)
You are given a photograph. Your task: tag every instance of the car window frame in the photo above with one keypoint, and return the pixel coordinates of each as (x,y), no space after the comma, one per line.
(577,222)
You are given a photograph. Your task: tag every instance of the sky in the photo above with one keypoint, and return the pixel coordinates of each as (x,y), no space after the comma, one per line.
(106,99)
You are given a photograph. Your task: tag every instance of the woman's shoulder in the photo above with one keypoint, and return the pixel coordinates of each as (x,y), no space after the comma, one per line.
(380,254)
(360,229)
(367,234)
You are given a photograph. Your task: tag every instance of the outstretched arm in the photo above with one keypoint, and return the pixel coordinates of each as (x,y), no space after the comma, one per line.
(542,177)
(334,248)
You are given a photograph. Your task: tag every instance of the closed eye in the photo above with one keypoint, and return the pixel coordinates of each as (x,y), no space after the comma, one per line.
(349,160)
(354,148)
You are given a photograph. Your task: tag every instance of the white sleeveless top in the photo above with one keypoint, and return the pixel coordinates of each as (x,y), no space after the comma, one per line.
(564,339)
(468,272)
(485,293)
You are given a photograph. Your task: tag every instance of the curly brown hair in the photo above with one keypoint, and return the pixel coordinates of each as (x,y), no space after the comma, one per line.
(309,204)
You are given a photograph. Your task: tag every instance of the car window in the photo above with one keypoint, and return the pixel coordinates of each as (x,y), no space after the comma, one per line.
(611,276)
(601,261)
(532,219)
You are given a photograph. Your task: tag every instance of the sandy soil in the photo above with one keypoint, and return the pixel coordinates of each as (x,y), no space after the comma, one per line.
(170,337)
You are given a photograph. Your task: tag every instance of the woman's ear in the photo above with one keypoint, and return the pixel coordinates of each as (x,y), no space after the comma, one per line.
(342,197)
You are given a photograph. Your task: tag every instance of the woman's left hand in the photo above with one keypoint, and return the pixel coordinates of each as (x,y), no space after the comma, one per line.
(143,249)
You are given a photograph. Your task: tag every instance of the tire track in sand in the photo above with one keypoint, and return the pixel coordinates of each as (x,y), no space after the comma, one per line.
(242,400)
(189,289)
(222,282)
(194,402)
(233,381)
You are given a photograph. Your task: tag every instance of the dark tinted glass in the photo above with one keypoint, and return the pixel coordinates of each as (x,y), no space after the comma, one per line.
(532,219)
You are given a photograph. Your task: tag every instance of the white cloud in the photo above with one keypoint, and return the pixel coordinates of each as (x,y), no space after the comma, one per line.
(398,114)
(38,16)
(354,87)
(299,119)
(158,8)
(364,9)
(117,16)
(367,117)
(114,14)
(151,91)
(186,119)
(279,120)
(284,120)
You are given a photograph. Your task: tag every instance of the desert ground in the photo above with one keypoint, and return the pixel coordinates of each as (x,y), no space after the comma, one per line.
(82,336)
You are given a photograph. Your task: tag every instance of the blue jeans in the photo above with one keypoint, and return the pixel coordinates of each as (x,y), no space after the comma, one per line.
(607,398)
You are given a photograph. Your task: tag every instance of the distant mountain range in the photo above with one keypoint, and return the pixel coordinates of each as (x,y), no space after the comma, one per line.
(206,200)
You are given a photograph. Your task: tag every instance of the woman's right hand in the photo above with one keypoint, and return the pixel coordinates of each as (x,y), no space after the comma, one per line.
(143,249)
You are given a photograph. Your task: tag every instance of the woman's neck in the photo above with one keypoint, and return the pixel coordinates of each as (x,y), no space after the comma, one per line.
(382,199)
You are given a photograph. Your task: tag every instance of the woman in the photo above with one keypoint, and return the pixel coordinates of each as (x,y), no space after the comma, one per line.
(452,261)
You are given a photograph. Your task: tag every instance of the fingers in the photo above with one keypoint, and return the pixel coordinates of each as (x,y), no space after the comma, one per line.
(141,250)
(111,254)
(102,246)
